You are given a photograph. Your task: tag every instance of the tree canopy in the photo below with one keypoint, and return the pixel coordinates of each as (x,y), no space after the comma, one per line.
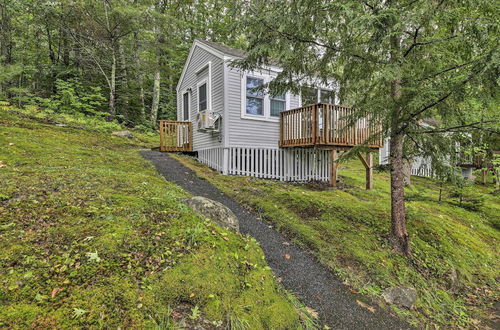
(401,61)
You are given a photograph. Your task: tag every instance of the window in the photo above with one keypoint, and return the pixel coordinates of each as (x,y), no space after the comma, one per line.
(202,97)
(278,103)
(254,96)
(185,105)
(327,96)
(309,95)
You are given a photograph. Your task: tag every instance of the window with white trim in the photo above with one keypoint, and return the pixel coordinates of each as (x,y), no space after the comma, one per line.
(254,96)
(202,97)
(278,104)
(185,105)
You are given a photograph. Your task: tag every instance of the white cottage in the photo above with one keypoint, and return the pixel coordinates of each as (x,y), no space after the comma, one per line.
(240,131)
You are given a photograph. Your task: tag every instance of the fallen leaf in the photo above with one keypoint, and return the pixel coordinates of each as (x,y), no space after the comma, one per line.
(55,291)
(191,295)
(368,307)
(287,256)
(312,312)
(2,164)
(176,315)
(11,144)
(225,238)
(286,243)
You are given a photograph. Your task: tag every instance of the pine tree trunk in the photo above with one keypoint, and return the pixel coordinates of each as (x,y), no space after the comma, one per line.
(156,98)
(399,235)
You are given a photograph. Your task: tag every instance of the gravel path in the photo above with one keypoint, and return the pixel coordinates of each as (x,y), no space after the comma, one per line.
(310,281)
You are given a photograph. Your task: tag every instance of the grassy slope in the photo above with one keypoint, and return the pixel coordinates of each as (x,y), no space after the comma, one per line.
(347,230)
(91,236)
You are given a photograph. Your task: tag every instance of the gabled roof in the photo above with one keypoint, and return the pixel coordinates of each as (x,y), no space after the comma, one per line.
(214,48)
(223,49)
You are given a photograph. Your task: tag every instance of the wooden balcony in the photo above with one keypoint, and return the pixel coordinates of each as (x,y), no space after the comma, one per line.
(326,125)
(176,136)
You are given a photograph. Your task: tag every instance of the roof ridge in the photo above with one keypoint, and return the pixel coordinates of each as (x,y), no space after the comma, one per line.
(223,48)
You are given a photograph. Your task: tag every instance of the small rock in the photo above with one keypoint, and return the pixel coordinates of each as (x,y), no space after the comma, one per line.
(215,211)
(61,125)
(400,296)
(127,134)
(453,279)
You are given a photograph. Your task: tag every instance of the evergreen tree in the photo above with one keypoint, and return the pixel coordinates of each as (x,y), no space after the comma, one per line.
(401,61)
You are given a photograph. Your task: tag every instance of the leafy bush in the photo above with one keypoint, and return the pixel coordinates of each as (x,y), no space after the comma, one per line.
(72,97)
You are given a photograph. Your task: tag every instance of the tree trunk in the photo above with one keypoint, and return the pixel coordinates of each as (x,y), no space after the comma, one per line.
(140,77)
(156,97)
(399,235)
(125,87)
(112,87)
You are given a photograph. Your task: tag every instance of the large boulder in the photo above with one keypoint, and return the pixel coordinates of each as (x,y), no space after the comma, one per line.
(217,212)
(400,296)
(126,134)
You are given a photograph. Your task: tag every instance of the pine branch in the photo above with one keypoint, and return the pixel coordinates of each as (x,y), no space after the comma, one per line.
(461,128)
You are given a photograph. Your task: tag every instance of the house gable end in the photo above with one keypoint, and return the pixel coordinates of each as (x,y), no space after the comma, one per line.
(196,43)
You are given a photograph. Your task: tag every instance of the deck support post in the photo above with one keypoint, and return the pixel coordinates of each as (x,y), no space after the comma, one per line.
(368,163)
(334,166)
(162,137)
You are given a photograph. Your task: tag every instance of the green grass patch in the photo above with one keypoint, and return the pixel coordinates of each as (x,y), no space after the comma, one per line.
(91,236)
(348,231)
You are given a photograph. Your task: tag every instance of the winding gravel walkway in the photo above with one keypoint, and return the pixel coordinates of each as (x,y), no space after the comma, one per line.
(310,281)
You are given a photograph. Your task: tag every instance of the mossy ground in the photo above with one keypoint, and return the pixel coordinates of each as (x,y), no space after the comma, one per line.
(91,236)
(348,231)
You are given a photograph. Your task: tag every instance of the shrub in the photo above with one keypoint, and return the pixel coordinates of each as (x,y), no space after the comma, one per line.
(71,98)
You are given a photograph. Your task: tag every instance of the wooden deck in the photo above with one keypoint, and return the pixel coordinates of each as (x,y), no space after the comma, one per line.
(326,125)
(176,135)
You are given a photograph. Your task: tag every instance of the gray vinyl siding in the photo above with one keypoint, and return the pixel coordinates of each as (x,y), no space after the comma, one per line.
(248,132)
(199,59)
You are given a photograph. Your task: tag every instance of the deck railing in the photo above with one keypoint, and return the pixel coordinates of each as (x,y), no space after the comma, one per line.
(176,135)
(326,124)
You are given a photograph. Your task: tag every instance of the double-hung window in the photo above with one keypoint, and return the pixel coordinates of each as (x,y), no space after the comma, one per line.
(278,104)
(202,97)
(185,105)
(254,96)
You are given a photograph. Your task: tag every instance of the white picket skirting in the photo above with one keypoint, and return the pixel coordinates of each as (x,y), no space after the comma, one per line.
(213,158)
(299,165)
(423,171)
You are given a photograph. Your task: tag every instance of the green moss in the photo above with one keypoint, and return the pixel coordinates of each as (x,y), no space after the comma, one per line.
(348,230)
(91,236)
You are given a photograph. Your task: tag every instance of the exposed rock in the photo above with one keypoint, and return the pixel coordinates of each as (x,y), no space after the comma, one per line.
(127,134)
(400,296)
(453,279)
(215,211)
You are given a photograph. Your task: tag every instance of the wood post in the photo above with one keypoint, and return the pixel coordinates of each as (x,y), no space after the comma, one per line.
(368,163)
(334,166)
(162,137)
